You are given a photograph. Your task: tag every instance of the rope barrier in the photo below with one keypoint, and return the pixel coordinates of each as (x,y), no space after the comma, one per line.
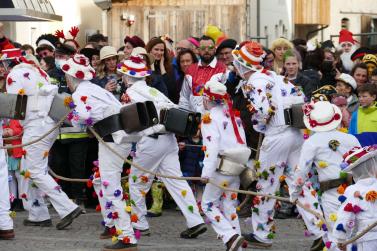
(13,137)
(53,174)
(318,215)
(202,180)
(39,138)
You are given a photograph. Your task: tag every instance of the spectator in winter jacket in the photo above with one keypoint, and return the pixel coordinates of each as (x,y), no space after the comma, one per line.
(364,120)
(291,70)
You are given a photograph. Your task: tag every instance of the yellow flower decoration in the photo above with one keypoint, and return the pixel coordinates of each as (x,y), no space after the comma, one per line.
(333,217)
(322,164)
(128,209)
(67,101)
(343,129)
(119,232)
(21,91)
(27,174)
(114,239)
(225,184)
(319,224)
(371,196)
(184,192)
(206,118)
(153,92)
(12,214)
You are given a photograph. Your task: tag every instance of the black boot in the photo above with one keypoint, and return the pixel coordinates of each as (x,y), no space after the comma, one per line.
(194,232)
(121,246)
(67,220)
(45,223)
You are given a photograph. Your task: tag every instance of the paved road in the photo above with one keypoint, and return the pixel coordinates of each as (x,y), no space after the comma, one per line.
(83,236)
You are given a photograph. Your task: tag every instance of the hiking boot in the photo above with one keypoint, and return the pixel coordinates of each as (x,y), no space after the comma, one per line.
(318,245)
(7,234)
(235,243)
(121,246)
(44,223)
(194,232)
(106,234)
(250,238)
(158,201)
(67,220)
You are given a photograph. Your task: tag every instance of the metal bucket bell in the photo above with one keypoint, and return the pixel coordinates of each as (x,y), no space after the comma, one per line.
(247,177)
(13,106)
(60,107)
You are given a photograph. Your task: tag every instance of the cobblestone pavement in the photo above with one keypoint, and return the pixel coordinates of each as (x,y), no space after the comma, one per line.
(83,234)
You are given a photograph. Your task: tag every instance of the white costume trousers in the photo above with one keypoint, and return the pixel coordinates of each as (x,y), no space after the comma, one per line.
(6,221)
(220,206)
(15,183)
(364,246)
(40,182)
(279,155)
(112,203)
(161,155)
(330,205)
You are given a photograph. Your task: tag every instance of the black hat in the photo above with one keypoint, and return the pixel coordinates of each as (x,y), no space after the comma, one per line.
(65,50)
(47,39)
(89,52)
(227,43)
(360,53)
(328,44)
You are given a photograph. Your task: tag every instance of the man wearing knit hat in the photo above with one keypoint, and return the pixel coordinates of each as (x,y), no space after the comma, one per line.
(268,95)
(224,51)
(348,45)
(130,43)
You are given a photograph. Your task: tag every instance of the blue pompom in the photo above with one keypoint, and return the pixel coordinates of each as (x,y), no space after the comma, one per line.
(342,198)
(132,73)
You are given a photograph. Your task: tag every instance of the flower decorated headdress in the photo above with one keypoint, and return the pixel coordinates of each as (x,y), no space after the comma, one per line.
(356,156)
(134,67)
(78,66)
(216,91)
(250,55)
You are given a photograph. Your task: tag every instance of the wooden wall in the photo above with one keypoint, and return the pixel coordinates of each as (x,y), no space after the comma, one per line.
(177,18)
(312,12)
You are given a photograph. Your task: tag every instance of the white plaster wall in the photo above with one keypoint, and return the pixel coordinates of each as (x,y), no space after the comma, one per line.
(82,13)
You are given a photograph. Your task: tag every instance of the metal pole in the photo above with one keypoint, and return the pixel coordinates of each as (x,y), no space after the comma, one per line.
(258,19)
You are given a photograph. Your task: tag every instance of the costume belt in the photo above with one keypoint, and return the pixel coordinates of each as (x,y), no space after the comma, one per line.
(334,183)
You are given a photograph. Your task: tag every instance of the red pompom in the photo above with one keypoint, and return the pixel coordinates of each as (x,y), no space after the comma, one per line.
(10,81)
(79,74)
(337,116)
(83,98)
(65,67)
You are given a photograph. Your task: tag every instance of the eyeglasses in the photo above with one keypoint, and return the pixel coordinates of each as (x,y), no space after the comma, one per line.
(210,48)
(43,54)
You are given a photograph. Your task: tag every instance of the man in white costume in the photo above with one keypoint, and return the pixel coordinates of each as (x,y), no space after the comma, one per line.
(158,153)
(269,95)
(6,222)
(93,104)
(223,135)
(28,79)
(325,150)
(359,202)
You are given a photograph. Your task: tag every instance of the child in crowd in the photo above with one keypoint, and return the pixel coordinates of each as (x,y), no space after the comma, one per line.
(12,128)
(364,121)
(359,201)
(346,86)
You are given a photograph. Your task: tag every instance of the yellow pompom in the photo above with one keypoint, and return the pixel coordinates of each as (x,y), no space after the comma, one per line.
(184,192)
(114,239)
(322,164)
(333,217)
(128,209)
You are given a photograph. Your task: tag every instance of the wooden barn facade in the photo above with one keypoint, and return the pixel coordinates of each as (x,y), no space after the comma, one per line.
(177,18)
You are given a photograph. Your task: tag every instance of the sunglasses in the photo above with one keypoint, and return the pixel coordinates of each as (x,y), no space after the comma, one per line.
(203,48)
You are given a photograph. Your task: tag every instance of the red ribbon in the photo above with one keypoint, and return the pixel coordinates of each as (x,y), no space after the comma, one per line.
(234,124)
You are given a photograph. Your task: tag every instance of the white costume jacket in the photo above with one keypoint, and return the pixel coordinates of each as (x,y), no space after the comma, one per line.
(357,212)
(269,95)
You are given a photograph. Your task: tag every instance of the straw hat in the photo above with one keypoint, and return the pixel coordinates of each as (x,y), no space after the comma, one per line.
(107,52)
